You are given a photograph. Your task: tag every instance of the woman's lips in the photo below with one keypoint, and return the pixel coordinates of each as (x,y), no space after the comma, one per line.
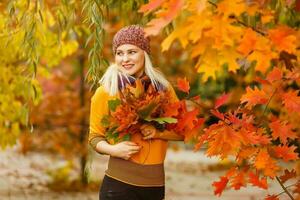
(128,66)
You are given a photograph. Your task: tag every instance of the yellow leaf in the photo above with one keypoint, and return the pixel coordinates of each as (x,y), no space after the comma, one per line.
(228,7)
(208,64)
(230,56)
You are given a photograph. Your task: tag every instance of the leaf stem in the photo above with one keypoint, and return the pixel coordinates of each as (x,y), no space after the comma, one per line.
(284,188)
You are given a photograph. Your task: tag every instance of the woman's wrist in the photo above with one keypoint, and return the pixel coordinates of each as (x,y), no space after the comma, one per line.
(104,147)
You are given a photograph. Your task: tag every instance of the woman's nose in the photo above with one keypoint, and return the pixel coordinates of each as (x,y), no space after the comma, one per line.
(125,57)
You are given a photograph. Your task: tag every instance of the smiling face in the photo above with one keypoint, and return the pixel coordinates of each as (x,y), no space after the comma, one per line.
(130,59)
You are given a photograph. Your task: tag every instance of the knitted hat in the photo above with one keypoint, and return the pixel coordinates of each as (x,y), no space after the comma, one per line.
(133,34)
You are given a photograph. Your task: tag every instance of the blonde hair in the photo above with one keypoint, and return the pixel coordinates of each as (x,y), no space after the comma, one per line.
(110,78)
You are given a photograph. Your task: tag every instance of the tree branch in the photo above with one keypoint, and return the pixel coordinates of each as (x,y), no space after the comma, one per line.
(284,188)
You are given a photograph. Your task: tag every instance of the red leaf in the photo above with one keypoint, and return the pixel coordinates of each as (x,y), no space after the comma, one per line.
(183,85)
(172,109)
(291,101)
(188,120)
(286,153)
(238,180)
(261,81)
(254,179)
(288,175)
(274,75)
(272,197)
(218,114)
(253,97)
(282,131)
(220,185)
(221,100)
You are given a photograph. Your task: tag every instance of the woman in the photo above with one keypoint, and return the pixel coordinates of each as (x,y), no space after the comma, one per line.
(135,169)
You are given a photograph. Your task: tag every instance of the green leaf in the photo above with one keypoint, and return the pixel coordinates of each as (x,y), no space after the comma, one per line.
(112,104)
(163,120)
(105,121)
(147,110)
(126,137)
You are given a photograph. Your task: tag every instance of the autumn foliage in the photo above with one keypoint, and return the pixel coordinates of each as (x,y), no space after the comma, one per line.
(256,38)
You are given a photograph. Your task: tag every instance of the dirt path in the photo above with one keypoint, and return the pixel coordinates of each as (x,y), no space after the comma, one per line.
(188,177)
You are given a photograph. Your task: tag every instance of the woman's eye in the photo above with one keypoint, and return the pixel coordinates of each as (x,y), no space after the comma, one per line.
(132,52)
(119,53)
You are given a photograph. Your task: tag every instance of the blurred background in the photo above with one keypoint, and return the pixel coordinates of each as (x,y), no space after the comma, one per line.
(52,53)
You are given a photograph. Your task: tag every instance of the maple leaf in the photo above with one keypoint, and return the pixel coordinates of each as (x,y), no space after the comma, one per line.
(272,197)
(224,140)
(282,130)
(248,42)
(254,97)
(246,153)
(274,75)
(208,64)
(187,120)
(183,85)
(220,185)
(230,56)
(221,100)
(229,7)
(263,59)
(201,139)
(254,179)
(172,110)
(265,163)
(238,180)
(288,175)
(286,153)
(291,100)
(152,5)
(165,16)
(217,114)
(283,38)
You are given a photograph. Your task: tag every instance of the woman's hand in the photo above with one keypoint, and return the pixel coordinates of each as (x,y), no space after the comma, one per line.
(148,131)
(125,149)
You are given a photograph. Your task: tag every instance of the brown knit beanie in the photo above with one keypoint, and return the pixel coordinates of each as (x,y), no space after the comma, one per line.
(133,34)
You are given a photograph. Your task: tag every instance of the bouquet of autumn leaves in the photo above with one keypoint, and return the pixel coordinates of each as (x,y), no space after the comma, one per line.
(140,103)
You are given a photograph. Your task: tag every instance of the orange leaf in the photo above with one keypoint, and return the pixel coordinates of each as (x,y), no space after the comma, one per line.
(254,97)
(265,163)
(165,16)
(274,75)
(221,100)
(282,130)
(288,175)
(283,38)
(172,109)
(152,5)
(291,101)
(254,179)
(286,153)
(187,120)
(238,180)
(224,140)
(218,114)
(248,42)
(183,85)
(220,185)
(246,153)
